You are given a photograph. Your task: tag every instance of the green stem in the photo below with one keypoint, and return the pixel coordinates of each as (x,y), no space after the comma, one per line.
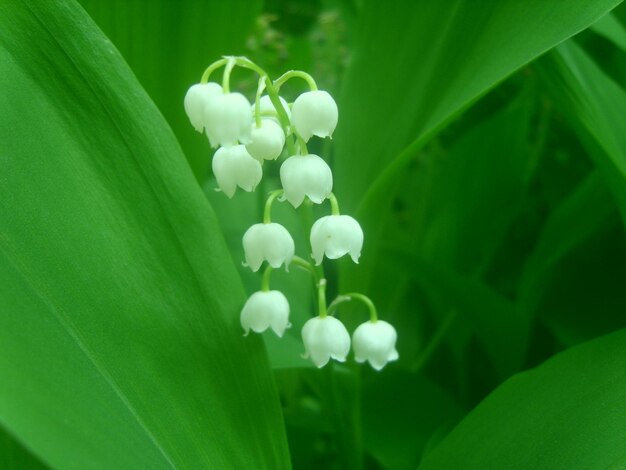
(334,204)
(257,103)
(302,144)
(226,77)
(265,281)
(211,68)
(357,296)
(321,298)
(304,264)
(295,74)
(267,212)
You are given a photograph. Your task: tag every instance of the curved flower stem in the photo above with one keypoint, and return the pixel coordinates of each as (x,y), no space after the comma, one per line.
(211,68)
(257,102)
(226,77)
(304,264)
(357,296)
(295,74)
(265,281)
(267,212)
(334,204)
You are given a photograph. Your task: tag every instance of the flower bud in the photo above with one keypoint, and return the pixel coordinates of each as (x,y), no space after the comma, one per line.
(233,166)
(271,242)
(266,141)
(306,175)
(228,119)
(375,341)
(264,310)
(325,338)
(334,236)
(196,100)
(266,107)
(314,113)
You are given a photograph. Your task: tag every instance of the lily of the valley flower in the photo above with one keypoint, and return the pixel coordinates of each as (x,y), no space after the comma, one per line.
(306,175)
(335,236)
(314,113)
(265,309)
(270,242)
(233,166)
(228,119)
(325,338)
(266,141)
(196,100)
(267,107)
(375,341)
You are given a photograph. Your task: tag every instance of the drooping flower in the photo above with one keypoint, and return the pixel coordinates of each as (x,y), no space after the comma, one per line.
(228,119)
(265,309)
(267,107)
(196,100)
(270,242)
(325,338)
(233,166)
(266,141)
(314,113)
(375,341)
(335,236)
(306,175)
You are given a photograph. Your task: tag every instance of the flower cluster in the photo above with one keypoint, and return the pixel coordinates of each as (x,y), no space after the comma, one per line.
(246,135)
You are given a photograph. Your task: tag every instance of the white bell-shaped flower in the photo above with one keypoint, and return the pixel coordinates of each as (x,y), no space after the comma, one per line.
(264,310)
(233,166)
(335,236)
(306,175)
(270,242)
(375,341)
(325,338)
(196,100)
(266,141)
(314,113)
(267,107)
(228,119)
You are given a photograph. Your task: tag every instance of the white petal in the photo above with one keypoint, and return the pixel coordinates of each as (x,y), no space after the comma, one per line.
(252,247)
(375,342)
(315,113)
(228,119)
(266,141)
(324,338)
(265,309)
(224,174)
(335,236)
(195,102)
(266,106)
(306,175)
(278,245)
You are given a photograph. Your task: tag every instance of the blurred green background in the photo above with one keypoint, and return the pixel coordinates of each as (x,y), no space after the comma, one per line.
(491,187)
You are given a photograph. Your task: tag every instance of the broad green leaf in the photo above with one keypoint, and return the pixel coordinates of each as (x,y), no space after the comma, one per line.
(567,413)
(417,64)
(168,44)
(609,27)
(415,67)
(120,344)
(14,456)
(595,104)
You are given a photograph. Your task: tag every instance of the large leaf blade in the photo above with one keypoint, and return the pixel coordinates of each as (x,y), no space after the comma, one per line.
(116,277)
(567,413)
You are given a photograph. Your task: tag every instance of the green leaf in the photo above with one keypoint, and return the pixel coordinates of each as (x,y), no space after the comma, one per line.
(120,344)
(567,413)
(424,62)
(610,28)
(595,105)
(14,456)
